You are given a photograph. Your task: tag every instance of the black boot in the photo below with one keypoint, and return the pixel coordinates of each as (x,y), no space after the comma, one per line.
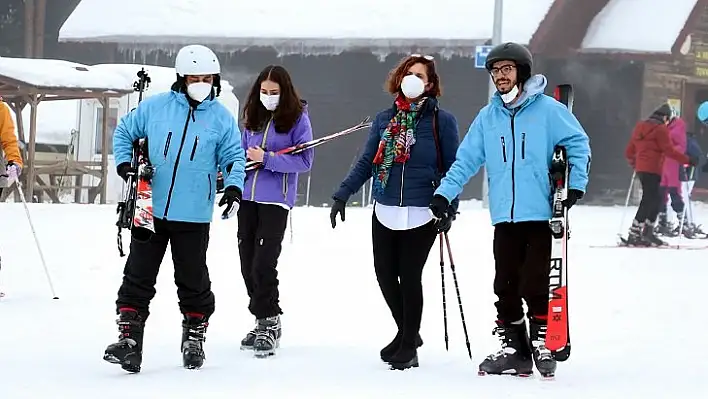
(634,238)
(268,333)
(514,357)
(542,356)
(250,339)
(392,347)
(128,351)
(406,356)
(194,328)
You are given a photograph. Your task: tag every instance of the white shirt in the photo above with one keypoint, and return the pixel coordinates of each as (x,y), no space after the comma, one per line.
(402,217)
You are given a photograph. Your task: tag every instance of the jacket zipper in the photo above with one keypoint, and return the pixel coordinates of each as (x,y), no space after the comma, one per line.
(403,173)
(194,148)
(503,148)
(209,177)
(523,145)
(167,144)
(255,175)
(179,152)
(513,162)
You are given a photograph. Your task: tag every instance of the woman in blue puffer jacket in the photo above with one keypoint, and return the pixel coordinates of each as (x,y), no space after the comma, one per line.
(410,146)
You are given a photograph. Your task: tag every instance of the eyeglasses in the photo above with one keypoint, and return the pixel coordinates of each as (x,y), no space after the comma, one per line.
(423,56)
(504,70)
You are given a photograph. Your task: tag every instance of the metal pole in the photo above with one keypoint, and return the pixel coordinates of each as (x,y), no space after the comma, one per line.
(496,40)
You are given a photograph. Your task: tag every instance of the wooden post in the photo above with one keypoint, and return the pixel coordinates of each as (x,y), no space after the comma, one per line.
(40,12)
(29,184)
(105,103)
(29,28)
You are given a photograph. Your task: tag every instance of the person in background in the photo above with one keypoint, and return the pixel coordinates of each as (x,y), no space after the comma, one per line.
(649,144)
(189,133)
(410,147)
(507,138)
(11,150)
(670,186)
(689,175)
(275,118)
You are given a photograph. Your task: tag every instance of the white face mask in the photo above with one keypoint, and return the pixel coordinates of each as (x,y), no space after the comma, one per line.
(412,86)
(511,95)
(270,102)
(199,91)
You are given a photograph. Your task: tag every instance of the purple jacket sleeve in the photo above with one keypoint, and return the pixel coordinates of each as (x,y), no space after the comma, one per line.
(299,163)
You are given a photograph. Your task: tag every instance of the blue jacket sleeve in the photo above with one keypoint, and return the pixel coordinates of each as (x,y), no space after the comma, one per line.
(362,170)
(569,133)
(231,156)
(449,143)
(469,158)
(130,128)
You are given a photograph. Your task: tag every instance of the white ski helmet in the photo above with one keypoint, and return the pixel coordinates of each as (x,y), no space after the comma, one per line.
(196,59)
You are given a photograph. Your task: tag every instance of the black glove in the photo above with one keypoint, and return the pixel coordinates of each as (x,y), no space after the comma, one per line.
(694,161)
(572,197)
(124,170)
(337,208)
(443,213)
(232,200)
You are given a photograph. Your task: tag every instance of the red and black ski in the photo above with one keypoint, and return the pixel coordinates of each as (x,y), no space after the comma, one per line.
(558,335)
(296,149)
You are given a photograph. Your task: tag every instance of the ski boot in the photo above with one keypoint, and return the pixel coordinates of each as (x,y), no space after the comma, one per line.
(194,328)
(514,357)
(247,342)
(128,351)
(542,356)
(406,355)
(268,333)
(634,238)
(649,236)
(664,227)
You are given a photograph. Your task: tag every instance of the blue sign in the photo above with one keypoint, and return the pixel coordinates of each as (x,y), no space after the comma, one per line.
(480,55)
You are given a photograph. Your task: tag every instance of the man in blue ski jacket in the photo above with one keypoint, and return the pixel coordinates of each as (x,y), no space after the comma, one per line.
(188,134)
(514,137)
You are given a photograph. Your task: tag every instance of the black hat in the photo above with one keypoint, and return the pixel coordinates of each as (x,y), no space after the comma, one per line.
(664,111)
(512,52)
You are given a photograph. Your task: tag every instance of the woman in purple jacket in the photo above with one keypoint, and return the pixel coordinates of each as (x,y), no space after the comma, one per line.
(275,118)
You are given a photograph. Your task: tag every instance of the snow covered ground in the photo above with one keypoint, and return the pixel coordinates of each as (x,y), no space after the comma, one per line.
(637,316)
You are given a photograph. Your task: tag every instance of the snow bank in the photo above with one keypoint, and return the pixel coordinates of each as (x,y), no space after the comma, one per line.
(60,74)
(311,22)
(638,25)
(55,121)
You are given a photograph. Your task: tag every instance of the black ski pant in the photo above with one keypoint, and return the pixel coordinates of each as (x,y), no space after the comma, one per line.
(522,258)
(399,258)
(651,202)
(676,199)
(261,229)
(188,242)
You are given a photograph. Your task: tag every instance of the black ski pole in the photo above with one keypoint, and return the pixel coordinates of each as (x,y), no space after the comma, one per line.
(459,298)
(444,301)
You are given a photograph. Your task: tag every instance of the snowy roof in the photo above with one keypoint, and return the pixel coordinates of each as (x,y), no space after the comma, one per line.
(650,26)
(300,24)
(55,121)
(59,74)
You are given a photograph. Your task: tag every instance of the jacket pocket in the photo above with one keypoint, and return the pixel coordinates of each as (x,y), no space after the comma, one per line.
(194,149)
(503,148)
(285,185)
(167,144)
(209,177)
(523,145)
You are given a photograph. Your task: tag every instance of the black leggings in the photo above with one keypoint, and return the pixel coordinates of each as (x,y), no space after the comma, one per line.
(651,197)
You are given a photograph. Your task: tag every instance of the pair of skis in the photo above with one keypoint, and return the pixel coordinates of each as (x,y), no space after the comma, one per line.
(297,149)
(558,335)
(135,210)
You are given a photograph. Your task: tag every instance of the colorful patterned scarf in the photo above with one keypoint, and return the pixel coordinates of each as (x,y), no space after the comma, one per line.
(396,141)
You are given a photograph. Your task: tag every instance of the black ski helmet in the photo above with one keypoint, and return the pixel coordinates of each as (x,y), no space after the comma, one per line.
(512,52)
